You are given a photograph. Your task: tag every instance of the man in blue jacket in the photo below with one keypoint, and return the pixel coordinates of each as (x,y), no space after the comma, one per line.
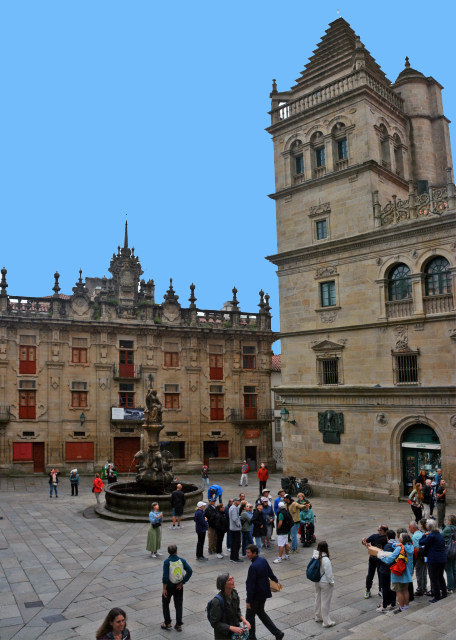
(176,572)
(215,491)
(258,589)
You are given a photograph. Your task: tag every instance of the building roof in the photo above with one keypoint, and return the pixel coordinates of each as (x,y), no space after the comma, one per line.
(276,364)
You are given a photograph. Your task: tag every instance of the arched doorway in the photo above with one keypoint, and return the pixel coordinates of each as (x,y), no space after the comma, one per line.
(420,450)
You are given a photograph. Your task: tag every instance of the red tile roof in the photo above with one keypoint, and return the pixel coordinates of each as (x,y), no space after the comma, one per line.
(276,363)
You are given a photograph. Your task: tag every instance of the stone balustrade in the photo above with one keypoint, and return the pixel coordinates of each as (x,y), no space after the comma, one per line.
(438,304)
(399,308)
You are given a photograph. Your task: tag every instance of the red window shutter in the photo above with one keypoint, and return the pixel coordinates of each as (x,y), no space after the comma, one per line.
(223,449)
(78,451)
(27,359)
(22,451)
(215,367)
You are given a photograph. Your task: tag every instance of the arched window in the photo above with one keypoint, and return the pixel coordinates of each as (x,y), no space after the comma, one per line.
(317,142)
(398,160)
(340,146)
(399,285)
(385,146)
(297,159)
(437,277)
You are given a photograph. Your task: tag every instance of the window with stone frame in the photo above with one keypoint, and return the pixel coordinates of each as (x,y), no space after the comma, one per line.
(171,392)
(27,354)
(248,357)
(127,395)
(437,277)
(79,394)
(321,229)
(399,283)
(27,399)
(215,362)
(297,159)
(79,350)
(250,403)
(171,354)
(328,370)
(328,293)
(406,367)
(217,401)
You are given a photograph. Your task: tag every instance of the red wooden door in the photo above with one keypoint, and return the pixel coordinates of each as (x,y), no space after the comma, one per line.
(124,453)
(126,363)
(250,406)
(38,457)
(27,359)
(27,405)
(215,367)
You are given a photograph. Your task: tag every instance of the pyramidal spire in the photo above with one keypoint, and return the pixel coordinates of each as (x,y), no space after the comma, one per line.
(126,235)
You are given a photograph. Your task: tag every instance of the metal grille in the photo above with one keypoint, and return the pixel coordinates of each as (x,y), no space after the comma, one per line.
(329,371)
(406,369)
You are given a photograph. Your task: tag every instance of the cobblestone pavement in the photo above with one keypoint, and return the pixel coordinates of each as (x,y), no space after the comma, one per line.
(60,572)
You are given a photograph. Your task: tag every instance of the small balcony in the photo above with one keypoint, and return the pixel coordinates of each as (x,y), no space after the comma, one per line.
(127,371)
(438,304)
(4,414)
(399,308)
(251,415)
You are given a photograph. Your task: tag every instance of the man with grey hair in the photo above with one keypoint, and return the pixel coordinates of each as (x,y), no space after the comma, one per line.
(224,611)
(235,529)
(418,562)
(433,544)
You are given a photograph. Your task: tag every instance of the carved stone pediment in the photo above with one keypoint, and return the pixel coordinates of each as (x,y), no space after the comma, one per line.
(327,346)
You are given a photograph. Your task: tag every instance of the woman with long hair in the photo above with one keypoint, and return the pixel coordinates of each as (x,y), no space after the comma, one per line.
(114,626)
(415,500)
(324,589)
(154,535)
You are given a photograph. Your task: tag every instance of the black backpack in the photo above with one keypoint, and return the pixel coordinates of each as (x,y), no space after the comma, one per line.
(209,606)
(287,522)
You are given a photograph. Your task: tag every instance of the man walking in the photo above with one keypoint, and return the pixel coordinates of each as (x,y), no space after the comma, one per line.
(235,529)
(263,475)
(258,590)
(376,540)
(244,474)
(176,572)
(177,505)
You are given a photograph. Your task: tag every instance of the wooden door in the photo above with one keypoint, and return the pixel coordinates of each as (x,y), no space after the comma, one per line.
(38,457)
(126,363)
(124,453)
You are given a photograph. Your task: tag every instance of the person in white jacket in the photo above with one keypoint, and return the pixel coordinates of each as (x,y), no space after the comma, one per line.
(323,589)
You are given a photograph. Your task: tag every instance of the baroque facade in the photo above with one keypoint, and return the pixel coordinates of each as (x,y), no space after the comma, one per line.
(365,206)
(75,370)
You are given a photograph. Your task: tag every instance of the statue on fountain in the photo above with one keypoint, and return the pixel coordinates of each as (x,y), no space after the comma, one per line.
(154,467)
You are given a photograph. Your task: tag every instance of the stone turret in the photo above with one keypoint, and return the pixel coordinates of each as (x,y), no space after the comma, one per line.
(126,271)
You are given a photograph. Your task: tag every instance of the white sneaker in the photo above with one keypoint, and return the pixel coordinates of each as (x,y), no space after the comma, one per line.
(286,557)
(159,553)
(220,555)
(330,624)
(154,555)
(173,526)
(271,538)
(277,560)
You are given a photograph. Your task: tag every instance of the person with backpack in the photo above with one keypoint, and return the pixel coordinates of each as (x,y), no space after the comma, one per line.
(176,572)
(224,611)
(325,586)
(284,525)
(449,535)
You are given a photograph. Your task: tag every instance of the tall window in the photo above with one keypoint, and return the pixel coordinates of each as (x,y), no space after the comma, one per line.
(328,293)
(398,158)
(297,158)
(127,395)
(126,359)
(399,285)
(249,357)
(215,362)
(322,230)
(79,351)
(385,146)
(217,402)
(27,399)
(171,396)
(299,164)
(250,403)
(328,371)
(342,149)
(437,277)
(405,368)
(171,354)
(320,157)
(27,354)
(79,394)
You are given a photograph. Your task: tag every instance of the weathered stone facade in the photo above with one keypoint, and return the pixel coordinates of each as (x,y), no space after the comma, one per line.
(74,372)
(365,231)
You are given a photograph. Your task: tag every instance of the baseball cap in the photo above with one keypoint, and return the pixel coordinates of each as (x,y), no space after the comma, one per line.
(201,504)
(281,505)
(264,500)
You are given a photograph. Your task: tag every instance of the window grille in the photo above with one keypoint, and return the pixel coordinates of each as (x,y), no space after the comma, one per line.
(405,368)
(79,386)
(249,389)
(215,388)
(125,344)
(329,371)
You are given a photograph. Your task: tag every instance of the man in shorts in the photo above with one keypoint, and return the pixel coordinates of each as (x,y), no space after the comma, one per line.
(177,505)
(283,529)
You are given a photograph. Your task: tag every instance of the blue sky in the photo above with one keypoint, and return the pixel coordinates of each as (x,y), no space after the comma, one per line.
(157,110)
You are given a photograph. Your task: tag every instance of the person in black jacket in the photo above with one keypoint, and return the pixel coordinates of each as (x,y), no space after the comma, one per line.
(258,590)
(210,513)
(177,505)
(259,525)
(433,544)
(221,524)
(200,528)
(384,577)
(376,540)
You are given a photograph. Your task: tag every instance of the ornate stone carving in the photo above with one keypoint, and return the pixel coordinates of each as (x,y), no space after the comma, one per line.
(318,209)
(331,425)
(453,421)
(329,270)
(328,316)
(401,337)
(381,418)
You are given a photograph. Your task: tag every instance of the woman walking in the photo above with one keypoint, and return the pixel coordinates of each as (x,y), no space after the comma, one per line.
(415,500)
(154,535)
(324,589)
(97,488)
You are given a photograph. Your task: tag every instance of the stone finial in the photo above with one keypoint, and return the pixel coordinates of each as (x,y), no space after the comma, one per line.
(267,308)
(170,294)
(80,276)
(407,62)
(234,301)
(126,235)
(192,298)
(56,287)
(261,304)
(3,284)
(274,86)
(104,281)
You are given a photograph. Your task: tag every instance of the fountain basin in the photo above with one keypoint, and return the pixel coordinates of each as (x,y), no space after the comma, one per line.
(128,501)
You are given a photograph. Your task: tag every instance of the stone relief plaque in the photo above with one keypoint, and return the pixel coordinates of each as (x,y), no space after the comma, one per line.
(331,425)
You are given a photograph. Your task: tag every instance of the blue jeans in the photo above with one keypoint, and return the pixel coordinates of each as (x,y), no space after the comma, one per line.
(53,486)
(246,539)
(450,568)
(258,542)
(208,483)
(294,536)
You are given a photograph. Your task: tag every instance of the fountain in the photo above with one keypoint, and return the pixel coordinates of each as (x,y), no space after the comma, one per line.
(154,479)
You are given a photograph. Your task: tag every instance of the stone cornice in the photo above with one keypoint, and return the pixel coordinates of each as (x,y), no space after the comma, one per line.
(377,237)
(329,178)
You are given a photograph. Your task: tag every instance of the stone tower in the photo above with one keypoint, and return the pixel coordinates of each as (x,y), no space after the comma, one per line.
(365,213)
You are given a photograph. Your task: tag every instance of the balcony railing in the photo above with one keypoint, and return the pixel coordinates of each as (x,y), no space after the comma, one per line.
(250,415)
(438,304)
(127,371)
(5,415)
(399,308)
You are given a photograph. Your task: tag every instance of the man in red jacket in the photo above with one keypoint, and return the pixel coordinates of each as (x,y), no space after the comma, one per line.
(263,476)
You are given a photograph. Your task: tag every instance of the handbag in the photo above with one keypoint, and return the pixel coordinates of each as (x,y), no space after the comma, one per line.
(400,565)
(240,636)
(156,525)
(410,501)
(275,586)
